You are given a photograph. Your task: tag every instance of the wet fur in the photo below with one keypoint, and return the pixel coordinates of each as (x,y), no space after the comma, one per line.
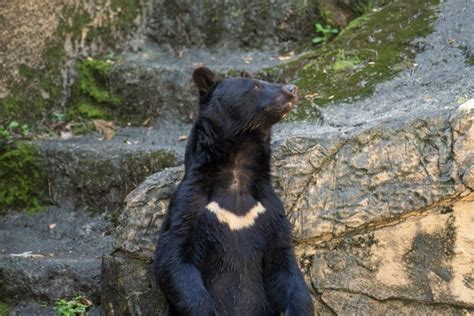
(202,265)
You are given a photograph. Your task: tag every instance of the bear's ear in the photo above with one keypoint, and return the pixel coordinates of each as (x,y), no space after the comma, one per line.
(246,74)
(204,79)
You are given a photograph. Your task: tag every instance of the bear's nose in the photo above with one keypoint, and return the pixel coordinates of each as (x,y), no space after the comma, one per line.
(291,88)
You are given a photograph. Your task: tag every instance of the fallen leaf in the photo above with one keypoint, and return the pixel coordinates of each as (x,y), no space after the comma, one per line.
(66,132)
(183,138)
(27,254)
(52,226)
(85,301)
(106,128)
(62,129)
(247,59)
(66,135)
(288,56)
(147,122)
(311,96)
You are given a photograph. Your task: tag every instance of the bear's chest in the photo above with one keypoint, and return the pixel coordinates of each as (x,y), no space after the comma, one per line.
(234,231)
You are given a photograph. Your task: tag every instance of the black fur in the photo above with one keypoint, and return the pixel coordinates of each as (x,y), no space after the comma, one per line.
(202,266)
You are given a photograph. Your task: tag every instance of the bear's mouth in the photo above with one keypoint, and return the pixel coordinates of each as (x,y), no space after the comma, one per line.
(282,106)
(289,106)
(282,110)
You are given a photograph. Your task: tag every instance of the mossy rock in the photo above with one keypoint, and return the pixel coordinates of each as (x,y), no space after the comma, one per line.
(98,177)
(99,93)
(22,178)
(38,85)
(371,49)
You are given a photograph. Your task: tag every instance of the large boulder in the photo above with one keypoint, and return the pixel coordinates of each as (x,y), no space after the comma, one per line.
(382,217)
(39,41)
(241,23)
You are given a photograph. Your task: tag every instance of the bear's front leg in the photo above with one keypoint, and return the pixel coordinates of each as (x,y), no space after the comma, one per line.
(284,282)
(179,279)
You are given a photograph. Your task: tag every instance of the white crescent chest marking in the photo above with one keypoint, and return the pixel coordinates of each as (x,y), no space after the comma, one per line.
(236,222)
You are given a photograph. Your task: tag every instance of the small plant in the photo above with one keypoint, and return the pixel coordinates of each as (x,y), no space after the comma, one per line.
(59,116)
(14,130)
(5,133)
(76,306)
(91,96)
(325,33)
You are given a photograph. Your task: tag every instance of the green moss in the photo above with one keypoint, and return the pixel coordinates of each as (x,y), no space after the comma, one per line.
(38,92)
(91,111)
(128,11)
(326,16)
(8,107)
(91,81)
(91,98)
(4,309)
(470,61)
(361,7)
(372,49)
(83,128)
(355,24)
(21,178)
(300,5)
(344,61)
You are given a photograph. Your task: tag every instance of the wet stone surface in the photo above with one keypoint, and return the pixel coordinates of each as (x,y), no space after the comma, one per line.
(51,255)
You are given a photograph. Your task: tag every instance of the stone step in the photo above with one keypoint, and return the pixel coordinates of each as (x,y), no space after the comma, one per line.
(156,81)
(55,254)
(87,172)
(236,23)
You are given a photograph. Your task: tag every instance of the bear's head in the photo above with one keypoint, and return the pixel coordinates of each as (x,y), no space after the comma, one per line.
(242,104)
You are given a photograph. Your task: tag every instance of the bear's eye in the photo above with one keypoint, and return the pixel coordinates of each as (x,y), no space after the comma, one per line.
(256,87)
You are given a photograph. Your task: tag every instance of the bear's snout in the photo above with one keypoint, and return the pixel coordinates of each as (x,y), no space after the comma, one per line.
(291,88)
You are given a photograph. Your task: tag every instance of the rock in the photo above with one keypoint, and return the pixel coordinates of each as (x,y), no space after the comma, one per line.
(256,24)
(52,255)
(49,279)
(427,259)
(339,182)
(379,211)
(133,276)
(157,83)
(41,309)
(40,41)
(345,303)
(147,205)
(96,174)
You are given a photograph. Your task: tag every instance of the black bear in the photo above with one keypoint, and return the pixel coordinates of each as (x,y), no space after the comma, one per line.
(225,246)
